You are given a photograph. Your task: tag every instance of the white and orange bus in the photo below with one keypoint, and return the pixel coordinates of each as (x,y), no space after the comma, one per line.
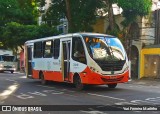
(78,58)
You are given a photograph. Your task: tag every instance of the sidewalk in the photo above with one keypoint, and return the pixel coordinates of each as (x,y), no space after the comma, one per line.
(145,81)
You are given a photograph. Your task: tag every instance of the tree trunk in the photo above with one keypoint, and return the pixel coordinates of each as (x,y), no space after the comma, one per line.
(68,11)
(127,40)
(110,15)
(21,47)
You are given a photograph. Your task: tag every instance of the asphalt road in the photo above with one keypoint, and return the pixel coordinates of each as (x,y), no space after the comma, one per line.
(15,90)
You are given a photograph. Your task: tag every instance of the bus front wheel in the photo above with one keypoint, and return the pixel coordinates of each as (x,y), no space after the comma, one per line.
(43,81)
(112,85)
(78,83)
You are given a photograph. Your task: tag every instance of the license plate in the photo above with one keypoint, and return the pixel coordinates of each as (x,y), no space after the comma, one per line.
(113,77)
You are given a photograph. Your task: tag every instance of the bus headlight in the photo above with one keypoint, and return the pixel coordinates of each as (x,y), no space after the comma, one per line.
(127,68)
(94,70)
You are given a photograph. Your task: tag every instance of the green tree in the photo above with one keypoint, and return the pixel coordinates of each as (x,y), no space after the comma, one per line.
(81,14)
(29,11)
(110,13)
(9,11)
(133,9)
(22,11)
(15,34)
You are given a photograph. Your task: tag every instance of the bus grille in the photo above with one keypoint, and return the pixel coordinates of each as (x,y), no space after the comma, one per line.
(112,65)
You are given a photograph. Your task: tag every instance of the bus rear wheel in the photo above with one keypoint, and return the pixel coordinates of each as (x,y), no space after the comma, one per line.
(43,81)
(78,83)
(112,85)
(12,71)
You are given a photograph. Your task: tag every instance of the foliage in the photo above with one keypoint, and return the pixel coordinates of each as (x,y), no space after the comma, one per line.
(22,11)
(113,32)
(40,4)
(29,11)
(83,13)
(18,17)
(134,8)
(55,12)
(15,34)
(9,11)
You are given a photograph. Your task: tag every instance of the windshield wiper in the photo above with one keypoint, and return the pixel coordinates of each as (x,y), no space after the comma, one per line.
(109,49)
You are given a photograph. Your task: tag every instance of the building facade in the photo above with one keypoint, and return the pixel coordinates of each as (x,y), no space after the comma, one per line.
(144,40)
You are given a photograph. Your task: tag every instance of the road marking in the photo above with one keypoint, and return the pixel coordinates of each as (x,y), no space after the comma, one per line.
(9,91)
(54,88)
(67,90)
(24,96)
(156,100)
(11,80)
(37,93)
(5,94)
(53,92)
(45,86)
(130,86)
(140,101)
(125,103)
(105,96)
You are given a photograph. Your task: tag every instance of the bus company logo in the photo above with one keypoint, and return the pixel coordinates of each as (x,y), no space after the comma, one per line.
(6,108)
(48,65)
(56,63)
(75,64)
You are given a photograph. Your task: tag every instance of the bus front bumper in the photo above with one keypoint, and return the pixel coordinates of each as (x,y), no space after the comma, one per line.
(98,79)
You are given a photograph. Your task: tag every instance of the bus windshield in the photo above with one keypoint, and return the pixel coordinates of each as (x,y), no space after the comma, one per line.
(7,58)
(105,48)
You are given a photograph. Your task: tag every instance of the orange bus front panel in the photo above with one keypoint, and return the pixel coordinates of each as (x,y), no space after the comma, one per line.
(90,77)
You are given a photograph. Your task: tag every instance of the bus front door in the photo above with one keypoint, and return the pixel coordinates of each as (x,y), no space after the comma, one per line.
(29,62)
(66,59)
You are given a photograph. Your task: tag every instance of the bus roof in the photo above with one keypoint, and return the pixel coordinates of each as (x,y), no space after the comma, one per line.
(96,34)
(68,35)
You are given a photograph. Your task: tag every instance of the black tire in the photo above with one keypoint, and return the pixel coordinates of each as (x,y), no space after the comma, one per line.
(43,81)
(78,84)
(12,72)
(112,85)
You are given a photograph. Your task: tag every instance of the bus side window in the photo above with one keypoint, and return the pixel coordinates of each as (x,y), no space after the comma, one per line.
(78,52)
(38,51)
(56,48)
(48,49)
